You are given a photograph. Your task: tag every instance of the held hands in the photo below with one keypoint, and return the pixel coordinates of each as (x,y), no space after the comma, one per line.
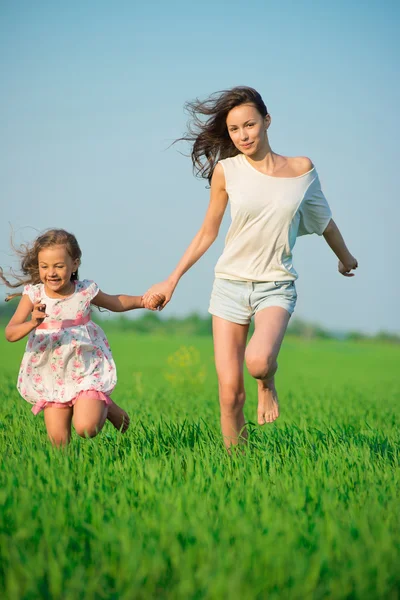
(154,301)
(158,295)
(38,314)
(345,268)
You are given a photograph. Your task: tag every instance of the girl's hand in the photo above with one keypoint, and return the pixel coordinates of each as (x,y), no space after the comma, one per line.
(38,314)
(345,268)
(20,325)
(165,288)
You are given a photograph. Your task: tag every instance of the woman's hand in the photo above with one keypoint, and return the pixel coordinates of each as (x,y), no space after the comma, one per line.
(349,265)
(165,288)
(38,314)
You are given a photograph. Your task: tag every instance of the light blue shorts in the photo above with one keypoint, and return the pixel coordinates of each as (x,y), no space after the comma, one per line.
(238,301)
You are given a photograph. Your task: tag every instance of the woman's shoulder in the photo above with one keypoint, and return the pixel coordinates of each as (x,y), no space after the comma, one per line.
(299,165)
(230,165)
(294,165)
(230,160)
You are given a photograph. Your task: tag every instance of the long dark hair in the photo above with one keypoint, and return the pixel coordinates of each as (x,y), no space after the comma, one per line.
(28,254)
(210,136)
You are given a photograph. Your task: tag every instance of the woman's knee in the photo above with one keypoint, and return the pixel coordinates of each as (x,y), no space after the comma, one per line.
(261,367)
(231,397)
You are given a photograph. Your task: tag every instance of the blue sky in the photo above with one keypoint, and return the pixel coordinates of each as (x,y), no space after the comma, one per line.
(92,95)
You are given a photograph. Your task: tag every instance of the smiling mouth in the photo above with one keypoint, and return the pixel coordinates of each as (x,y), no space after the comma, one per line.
(247,145)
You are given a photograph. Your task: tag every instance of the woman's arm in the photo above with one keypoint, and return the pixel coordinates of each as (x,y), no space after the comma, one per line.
(334,239)
(203,239)
(121,302)
(19,327)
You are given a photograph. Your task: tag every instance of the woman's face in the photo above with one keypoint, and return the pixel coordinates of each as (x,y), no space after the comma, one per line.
(247,128)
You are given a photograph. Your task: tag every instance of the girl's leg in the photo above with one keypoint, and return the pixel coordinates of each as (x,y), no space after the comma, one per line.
(58,424)
(261,358)
(118,417)
(89,416)
(229,347)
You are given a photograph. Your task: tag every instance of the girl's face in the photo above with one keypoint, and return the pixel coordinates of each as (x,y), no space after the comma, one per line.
(247,128)
(55,269)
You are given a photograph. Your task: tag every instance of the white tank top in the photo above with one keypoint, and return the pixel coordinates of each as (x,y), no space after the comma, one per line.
(268,213)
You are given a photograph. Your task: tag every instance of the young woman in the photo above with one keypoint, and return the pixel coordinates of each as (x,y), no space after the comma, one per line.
(273,200)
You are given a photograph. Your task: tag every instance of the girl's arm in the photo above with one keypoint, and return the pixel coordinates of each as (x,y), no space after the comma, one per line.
(19,327)
(206,235)
(334,238)
(121,302)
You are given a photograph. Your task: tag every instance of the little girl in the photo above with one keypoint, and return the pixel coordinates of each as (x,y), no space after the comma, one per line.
(67,369)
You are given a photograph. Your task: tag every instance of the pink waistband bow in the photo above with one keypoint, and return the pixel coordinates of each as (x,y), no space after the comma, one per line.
(64,324)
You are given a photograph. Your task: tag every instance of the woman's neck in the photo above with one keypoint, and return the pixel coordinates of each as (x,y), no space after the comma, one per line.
(265,157)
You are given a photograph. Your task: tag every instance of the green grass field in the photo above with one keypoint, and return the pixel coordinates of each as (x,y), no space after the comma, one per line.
(310,511)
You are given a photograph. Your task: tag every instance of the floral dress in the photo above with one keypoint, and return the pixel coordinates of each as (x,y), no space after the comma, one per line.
(69,355)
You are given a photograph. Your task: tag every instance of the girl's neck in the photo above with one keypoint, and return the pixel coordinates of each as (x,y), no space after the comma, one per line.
(68,290)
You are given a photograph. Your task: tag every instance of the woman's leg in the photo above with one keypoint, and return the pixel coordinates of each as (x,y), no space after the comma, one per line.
(89,416)
(229,347)
(261,358)
(118,417)
(58,424)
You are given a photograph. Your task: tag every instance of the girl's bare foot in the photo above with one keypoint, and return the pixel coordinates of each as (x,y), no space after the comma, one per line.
(268,406)
(118,417)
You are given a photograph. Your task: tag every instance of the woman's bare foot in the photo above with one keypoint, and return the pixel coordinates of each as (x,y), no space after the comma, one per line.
(268,405)
(118,417)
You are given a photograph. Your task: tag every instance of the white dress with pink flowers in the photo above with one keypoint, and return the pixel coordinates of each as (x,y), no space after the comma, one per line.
(64,360)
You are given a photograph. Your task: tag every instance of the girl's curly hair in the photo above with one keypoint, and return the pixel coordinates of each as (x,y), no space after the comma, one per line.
(210,137)
(28,254)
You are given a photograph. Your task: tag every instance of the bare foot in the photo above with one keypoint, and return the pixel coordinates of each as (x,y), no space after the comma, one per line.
(118,417)
(268,406)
